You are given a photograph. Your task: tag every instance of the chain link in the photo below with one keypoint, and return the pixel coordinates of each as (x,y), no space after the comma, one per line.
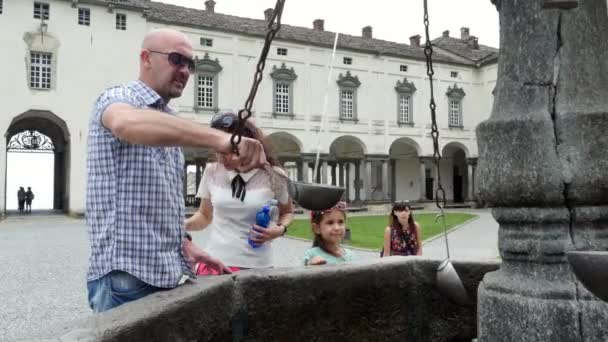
(428,52)
(274,25)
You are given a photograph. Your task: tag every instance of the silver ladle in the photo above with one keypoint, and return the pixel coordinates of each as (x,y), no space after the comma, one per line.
(591,269)
(311,196)
(448,281)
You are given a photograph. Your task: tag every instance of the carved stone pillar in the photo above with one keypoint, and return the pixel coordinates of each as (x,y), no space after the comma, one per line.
(385,185)
(333,174)
(543,156)
(358,182)
(367,180)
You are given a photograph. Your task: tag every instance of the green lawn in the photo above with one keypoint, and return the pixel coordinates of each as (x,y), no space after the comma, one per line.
(368,231)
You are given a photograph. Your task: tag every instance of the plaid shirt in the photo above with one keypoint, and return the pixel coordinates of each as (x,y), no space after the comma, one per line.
(134,200)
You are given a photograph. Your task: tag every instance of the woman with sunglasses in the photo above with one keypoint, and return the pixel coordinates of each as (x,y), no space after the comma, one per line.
(230,200)
(402,236)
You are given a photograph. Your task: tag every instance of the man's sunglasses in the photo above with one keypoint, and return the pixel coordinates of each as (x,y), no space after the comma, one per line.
(178,60)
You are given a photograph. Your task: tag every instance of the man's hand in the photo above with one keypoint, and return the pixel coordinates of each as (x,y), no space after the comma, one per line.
(259,235)
(193,254)
(251,154)
(317,261)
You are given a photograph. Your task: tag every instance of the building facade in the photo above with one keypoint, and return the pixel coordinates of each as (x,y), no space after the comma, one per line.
(373,136)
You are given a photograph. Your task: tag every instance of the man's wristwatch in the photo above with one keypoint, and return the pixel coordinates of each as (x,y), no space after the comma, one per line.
(284,228)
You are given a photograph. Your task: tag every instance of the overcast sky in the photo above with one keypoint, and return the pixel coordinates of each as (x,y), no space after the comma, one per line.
(393,20)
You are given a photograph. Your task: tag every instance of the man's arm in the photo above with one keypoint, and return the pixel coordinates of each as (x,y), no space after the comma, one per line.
(154,128)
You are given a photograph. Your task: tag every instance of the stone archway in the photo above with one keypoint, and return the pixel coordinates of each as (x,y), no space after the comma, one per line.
(52,126)
(347,154)
(408,171)
(288,149)
(454,171)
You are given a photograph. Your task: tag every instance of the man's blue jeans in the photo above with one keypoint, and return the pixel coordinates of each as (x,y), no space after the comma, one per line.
(117,288)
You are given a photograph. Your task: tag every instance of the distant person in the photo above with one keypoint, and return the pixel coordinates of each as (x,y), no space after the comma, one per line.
(29,197)
(21,199)
(329,228)
(402,236)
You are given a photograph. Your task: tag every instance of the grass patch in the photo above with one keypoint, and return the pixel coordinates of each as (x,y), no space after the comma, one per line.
(368,231)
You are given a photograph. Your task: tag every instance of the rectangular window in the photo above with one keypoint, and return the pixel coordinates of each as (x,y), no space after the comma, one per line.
(282,51)
(121,21)
(454,74)
(404,108)
(347,60)
(41,10)
(347,104)
(205,91)
(206,42)
(281,101)
(454,119)
(84,16)
(40,70)
(1,6)
(403,68)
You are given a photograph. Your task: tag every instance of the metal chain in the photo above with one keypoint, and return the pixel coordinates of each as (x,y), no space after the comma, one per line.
(428,52)
(274,25)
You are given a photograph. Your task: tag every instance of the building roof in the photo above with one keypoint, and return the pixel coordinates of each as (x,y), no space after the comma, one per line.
(183,16)
(482,55)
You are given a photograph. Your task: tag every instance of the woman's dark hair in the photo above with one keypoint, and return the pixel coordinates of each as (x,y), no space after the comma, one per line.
(227,122)
(393,221)
(316,217)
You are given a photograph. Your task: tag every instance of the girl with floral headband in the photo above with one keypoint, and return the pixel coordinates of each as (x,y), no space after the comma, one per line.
(328,227)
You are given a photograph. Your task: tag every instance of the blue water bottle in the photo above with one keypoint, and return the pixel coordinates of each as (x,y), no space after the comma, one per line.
(262,219)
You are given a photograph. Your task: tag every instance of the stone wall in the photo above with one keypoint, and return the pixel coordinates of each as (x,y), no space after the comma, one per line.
(392,299)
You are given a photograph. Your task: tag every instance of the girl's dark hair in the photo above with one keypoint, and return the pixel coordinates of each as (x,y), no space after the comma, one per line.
(316,217)
(393,221)
(227,122)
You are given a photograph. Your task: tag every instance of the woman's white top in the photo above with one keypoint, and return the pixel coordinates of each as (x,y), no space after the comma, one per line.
(233,219)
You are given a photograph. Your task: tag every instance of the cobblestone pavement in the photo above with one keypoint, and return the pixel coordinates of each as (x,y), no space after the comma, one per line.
(44,261)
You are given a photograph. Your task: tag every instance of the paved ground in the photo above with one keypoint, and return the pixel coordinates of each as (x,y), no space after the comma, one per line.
(44,259)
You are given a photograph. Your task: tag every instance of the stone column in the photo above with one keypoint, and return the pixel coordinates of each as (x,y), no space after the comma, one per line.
(393,180)
(543,155)
(341,174)
(368,180)
(470,193)
(423,178)
(333,174)
(347,181)
(385,179)
(299,170)
(199,175)
(324,173)
(358,166)
(305,171)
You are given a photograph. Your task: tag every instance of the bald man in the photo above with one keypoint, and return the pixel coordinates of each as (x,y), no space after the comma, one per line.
(134,202)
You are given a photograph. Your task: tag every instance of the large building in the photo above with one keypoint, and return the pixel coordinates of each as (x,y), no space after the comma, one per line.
(58,56)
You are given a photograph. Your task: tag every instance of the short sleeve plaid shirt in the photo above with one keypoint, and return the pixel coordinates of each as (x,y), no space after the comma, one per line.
(134,199)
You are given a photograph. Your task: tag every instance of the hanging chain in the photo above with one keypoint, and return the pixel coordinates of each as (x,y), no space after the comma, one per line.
(428,52)
(274,24)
